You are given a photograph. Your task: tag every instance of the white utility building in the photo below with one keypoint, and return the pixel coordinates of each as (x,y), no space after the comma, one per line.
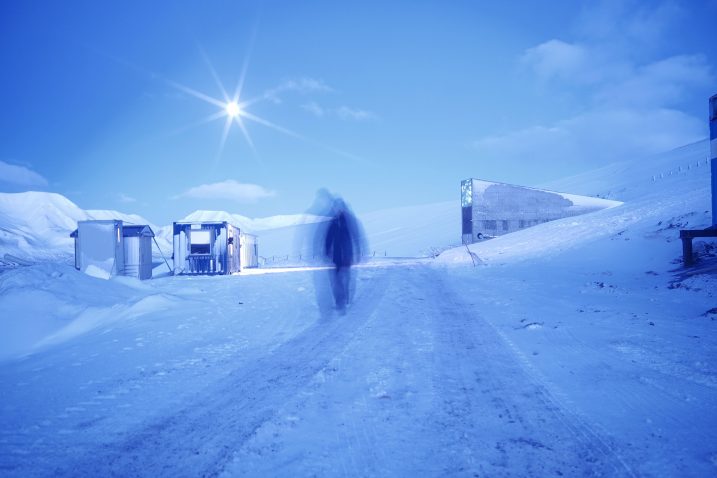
(109,248)
(213,248)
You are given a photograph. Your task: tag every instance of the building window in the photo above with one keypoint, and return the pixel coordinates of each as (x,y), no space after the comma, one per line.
(492,225)
(521,224)
(505,225)
(200,249)
(466,192)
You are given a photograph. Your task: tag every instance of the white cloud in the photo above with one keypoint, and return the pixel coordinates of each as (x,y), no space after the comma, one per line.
(314,109)
(663,82)
(602,136)
(126,199)
(229,189)
(626,99)
(556,58)
(20,176)
(623,23)
(616,41)
(306,85)
(346,113)
(301,85)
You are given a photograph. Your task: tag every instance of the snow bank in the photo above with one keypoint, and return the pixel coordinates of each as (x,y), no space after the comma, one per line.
(48,303)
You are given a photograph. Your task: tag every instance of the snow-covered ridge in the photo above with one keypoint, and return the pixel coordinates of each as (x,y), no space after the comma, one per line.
(254,225)
(663,193)
(105,214)
(635,178)
(36,225)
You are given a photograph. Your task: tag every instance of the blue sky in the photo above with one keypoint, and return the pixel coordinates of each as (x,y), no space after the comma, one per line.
(386,103)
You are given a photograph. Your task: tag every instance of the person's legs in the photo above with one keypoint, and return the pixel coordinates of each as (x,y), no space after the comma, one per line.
(340,287)
(335,275)
(346,284)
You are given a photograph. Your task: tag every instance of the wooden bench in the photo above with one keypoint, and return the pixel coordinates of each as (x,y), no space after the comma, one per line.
(687,235)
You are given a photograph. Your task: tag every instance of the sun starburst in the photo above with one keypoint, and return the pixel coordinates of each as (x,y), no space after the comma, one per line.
(235,111)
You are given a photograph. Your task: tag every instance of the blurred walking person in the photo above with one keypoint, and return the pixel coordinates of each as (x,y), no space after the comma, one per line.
(343,246)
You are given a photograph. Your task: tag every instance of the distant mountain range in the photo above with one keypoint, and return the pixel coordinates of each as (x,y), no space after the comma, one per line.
(37,225)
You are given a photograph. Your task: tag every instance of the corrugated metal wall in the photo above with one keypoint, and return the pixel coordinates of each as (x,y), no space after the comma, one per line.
(249,251)
(145,270)
(138,257)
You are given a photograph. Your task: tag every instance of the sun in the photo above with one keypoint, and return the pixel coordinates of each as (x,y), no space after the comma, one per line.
(232,109)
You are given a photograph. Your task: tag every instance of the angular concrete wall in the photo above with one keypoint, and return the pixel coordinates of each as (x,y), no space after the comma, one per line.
(492,209)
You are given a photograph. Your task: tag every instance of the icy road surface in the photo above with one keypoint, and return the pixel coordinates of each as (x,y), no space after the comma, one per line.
(432,372)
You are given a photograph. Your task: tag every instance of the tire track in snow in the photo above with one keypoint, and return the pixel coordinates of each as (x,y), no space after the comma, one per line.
(509,372)
(199,438)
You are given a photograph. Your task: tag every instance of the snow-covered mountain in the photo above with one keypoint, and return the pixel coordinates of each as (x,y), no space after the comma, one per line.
(37,225)
(254,225)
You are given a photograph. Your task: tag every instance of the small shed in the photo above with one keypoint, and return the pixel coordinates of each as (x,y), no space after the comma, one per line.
(106,248)
(137,251)
(213,248)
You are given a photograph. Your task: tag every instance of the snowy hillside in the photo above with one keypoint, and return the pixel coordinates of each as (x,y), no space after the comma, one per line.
(663,194)
(578,347)
(101,214)
(414,231)
(636,177)
(391,232)
(254,225)
(37,225)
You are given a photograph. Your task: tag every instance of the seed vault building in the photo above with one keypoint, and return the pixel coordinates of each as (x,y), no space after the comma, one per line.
(491,209)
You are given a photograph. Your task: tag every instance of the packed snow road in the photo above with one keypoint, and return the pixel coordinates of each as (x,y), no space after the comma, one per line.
(245,376)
